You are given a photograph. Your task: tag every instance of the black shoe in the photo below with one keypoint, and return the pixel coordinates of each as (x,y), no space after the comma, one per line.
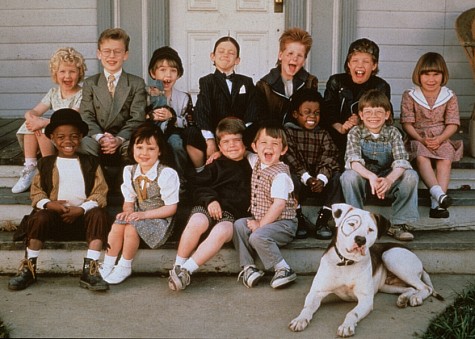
(323,231)
(438,213)
(91,278)
(26,275)
(303,225)
(445,201)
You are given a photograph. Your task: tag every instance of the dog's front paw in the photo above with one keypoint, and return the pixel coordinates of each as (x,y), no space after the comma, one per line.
(298,324)
(346,330)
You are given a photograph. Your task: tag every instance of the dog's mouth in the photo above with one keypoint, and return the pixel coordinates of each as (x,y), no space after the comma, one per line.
(358,249)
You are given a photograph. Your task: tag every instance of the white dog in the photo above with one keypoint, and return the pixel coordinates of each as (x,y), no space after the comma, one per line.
(355,268)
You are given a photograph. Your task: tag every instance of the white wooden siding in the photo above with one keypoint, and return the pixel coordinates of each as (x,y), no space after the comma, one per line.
(406,29)
(30,32)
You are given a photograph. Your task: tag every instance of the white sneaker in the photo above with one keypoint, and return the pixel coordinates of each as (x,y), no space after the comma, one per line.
(26,177)
(105,270)
(118,275)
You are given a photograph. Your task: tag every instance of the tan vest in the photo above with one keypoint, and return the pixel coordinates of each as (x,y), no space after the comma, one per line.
(261,182)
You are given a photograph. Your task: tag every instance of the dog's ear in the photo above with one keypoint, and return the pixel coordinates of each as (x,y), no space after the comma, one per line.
(382,223)
(339,211)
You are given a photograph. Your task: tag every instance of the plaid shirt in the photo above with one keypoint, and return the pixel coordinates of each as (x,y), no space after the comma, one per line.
(388,134)
(312,152)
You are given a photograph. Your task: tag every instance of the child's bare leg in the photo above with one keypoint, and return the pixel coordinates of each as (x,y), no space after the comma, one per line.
(443,168)
(35,244)
(196,156)
(30,144)
(45,145)
(219,235)
(95,245)
(131,242)
(426,171)
(115,239)
(196,226)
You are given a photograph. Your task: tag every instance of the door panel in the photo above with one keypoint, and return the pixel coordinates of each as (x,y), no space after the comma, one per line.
(197,24)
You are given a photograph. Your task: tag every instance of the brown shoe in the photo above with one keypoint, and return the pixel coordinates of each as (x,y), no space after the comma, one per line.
(400,232)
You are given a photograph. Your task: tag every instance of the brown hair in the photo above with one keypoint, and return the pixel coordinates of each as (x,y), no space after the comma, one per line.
(375,98)
(67,55)
(114,34)
(363,46)
(274,130)
(430,62)
(229,125)
(143,133)
(295,34)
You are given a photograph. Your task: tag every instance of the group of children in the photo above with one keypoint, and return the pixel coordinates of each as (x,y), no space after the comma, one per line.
(256,153)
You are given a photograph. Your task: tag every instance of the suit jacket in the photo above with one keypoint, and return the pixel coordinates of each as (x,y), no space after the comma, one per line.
(214,101)
(119,115)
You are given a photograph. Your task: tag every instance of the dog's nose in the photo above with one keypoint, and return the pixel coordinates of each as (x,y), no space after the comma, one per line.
(359,240)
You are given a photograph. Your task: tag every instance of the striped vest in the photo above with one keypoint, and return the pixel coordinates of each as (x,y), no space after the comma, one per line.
(261,182)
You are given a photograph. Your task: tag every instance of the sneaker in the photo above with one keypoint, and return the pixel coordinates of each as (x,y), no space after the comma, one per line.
(250,276)
(303,225)
(283,277)
(323,232)
(105,270)
(26,177)
(179,278)
(445,201)
(400,232)
(118,275)
(438,213)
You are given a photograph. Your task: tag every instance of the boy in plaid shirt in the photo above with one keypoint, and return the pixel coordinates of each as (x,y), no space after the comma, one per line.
(313,159)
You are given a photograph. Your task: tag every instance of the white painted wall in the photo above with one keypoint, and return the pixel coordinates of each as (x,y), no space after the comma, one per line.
(30,32)
(406,29)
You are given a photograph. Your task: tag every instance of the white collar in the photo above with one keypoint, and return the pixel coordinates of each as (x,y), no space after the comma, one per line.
(445,95)
(151,174)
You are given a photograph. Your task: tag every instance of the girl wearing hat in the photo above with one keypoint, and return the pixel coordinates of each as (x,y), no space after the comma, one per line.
(169,107)
(68,196)
(343,91)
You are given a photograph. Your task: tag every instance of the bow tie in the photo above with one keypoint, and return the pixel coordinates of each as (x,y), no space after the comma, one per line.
(228,77)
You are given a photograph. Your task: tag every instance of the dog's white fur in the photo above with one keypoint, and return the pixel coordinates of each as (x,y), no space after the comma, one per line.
(364,268)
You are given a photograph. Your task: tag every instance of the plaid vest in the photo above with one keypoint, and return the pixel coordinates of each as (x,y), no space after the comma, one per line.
(261,182)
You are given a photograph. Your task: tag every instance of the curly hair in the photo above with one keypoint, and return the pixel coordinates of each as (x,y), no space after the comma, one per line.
(295,34)
(67,55)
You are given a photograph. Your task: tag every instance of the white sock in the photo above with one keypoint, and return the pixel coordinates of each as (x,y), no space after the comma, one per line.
(282,264)
(124,262)
(32,253)
(199,169)
(179,261)
(92,254)
(436,191)
(433,203)
(109,260)
(30,162)
(190,265)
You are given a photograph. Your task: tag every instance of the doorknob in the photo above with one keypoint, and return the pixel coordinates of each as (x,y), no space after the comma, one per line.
(278,6)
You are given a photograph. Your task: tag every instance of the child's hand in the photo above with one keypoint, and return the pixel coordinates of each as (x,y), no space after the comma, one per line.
(123,216)
(109,143)
(213,157)
(214,210)
(252,224)
(162,114)
(34,123)
(210,148)
(58,206)
(432,143)
(134,216)
(383,185)
(72,214)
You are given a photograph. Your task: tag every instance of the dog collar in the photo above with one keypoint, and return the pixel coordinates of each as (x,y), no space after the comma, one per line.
(344,261)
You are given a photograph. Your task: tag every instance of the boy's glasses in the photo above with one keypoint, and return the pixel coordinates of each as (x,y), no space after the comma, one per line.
(108,52)
(375,113)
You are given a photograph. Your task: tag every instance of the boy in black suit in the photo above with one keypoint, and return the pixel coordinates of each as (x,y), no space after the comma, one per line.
(222,94)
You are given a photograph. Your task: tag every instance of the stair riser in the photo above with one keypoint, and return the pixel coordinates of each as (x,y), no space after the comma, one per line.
(303,261)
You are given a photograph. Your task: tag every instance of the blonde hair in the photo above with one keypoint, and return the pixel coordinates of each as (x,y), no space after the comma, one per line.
(67,55)
(114,34)
(430,62)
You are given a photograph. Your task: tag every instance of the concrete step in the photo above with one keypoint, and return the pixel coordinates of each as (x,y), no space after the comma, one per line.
(441,252)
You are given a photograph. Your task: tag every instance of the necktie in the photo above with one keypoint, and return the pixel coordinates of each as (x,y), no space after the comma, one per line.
(110,84)
(142,182)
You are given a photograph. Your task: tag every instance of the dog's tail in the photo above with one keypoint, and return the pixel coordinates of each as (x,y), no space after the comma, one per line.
(426,279)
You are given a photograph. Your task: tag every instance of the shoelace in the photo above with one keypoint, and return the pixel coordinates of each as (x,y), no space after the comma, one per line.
(93,267)
(29,265)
